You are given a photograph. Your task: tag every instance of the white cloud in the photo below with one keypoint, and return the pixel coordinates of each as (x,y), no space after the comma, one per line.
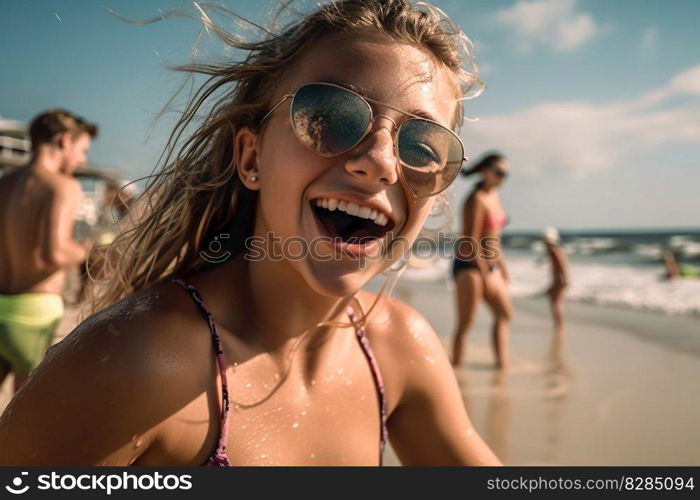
(579,138)
(687,82)
(557,24)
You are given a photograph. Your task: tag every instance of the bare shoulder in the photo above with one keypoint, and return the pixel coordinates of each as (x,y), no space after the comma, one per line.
(476,199)
(402,339)
(62,185)
(153,320)
(119,374)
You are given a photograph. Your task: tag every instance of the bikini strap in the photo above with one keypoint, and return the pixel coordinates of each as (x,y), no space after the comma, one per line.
(376,375)
(220,457)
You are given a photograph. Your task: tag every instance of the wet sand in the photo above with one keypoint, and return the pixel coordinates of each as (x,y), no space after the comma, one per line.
(620,388)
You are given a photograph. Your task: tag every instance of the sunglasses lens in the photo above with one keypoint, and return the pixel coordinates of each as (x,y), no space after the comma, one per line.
(431,156)
(329,120)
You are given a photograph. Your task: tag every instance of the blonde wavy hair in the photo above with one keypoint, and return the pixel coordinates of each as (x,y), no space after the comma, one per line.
(196,194)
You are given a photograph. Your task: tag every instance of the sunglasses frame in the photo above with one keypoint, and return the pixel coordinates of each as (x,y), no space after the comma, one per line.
(370,125)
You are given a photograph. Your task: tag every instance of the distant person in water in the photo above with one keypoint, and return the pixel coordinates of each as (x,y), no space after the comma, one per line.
(672,264)
(560,275)
(675,268)
(37,212)
(479,269)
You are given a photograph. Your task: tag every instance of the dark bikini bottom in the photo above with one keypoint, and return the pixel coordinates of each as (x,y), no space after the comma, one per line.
(458,265)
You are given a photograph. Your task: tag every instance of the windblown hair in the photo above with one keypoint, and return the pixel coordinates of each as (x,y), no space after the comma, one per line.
(197,194)
(486,161)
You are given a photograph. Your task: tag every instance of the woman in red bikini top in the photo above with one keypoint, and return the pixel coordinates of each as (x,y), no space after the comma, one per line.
(483,274)
(233,329)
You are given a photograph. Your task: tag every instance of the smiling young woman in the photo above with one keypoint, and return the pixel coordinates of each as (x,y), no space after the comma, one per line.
(340,128)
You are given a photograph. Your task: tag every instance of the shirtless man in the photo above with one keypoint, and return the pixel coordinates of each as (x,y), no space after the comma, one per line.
(37,211)
(560,275)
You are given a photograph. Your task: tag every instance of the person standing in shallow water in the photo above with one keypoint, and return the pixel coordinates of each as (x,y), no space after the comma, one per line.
(479,268)
(560,275)
(37,210)
(340,127)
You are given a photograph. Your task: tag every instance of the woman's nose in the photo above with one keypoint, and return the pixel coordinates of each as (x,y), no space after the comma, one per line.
(374,159)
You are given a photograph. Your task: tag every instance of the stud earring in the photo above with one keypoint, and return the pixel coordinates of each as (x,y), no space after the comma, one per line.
(253,178)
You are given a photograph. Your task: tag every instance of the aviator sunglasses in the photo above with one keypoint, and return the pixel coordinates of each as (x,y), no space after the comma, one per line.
(330,120)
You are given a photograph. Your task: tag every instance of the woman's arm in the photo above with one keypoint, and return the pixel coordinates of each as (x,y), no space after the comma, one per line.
(429,425)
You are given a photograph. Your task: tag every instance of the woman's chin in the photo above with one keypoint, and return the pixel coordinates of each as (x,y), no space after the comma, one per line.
(336,281)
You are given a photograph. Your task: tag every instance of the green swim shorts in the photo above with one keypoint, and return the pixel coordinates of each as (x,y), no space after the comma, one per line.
(27,325)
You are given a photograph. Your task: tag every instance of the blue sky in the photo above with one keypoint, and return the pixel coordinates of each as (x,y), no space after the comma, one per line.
(597,103)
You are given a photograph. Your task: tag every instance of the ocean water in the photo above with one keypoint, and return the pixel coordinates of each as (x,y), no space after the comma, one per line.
(621,269)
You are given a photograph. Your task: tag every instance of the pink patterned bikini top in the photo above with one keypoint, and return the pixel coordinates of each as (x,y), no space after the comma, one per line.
(220,458)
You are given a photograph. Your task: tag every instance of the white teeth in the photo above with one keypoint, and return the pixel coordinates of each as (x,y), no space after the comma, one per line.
(353,209)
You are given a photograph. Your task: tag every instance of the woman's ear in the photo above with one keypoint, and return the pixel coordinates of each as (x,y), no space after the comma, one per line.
(247,163)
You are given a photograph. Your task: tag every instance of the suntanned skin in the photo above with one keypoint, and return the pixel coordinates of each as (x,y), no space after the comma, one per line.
(560,279)
(138,382)
(473,285)
(37,212)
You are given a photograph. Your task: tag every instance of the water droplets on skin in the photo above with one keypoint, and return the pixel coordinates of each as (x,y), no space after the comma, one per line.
(340,371)
(105,358)
(303,413)
(348,382)
(470,432)
(276,376)
(430,360)
(248,385)
(295,425)
(313,382)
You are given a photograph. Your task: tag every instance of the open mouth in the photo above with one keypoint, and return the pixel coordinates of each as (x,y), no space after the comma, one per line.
(352,223)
